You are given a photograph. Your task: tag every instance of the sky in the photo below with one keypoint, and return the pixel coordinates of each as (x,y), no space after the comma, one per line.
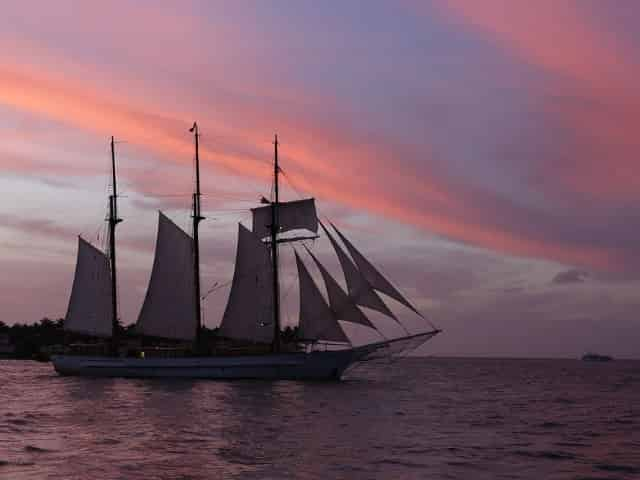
(484,155)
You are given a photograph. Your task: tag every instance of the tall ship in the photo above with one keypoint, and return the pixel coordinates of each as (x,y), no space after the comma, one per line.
(169,339)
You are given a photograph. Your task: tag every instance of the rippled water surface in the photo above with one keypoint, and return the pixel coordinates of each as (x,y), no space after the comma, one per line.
(414,418)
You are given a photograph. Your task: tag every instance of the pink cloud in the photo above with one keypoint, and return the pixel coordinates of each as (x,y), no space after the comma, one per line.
(323,153)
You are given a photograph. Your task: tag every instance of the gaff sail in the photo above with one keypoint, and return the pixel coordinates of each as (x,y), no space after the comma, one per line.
(249,312)
(90,309)
(169,308)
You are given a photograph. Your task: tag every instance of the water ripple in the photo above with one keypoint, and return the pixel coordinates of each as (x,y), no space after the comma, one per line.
(419,418)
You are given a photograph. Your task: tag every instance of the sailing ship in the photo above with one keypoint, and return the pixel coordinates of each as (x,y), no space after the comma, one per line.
(596,357)
(249,341)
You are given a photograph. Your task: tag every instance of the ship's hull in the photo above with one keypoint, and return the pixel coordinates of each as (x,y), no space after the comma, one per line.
(328,365)
(317,365)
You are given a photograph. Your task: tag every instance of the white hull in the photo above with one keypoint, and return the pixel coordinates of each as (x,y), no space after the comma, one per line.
(328,365)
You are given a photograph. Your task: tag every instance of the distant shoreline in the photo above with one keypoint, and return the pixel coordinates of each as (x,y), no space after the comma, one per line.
(425,357)
(27,342)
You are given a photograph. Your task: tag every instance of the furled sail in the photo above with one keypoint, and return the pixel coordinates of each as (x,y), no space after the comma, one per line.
(298,214)
(249,313)
(341,304)
(90,309)
(373,276)
(317,321)
(358,286)
(169,309)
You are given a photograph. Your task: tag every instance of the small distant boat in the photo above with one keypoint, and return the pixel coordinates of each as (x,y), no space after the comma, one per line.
(594,357)
(249,341)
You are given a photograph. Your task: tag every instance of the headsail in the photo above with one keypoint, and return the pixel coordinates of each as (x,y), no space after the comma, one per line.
(359,288)
(294,215)
(90,309)
(317,321)
(373,276)
(342,305)
(249,312)
(169,309)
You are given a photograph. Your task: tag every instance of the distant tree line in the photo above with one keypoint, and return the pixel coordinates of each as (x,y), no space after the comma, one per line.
(28,340)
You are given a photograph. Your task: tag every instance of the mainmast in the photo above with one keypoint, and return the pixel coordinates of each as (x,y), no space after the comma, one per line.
(197,218)
(113,221)
(274,252)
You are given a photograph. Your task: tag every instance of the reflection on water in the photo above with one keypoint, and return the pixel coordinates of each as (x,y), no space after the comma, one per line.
(417,418)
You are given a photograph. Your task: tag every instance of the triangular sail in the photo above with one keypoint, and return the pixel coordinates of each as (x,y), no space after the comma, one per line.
(373,276)
(342,305)
(317,321)
(294,215)
(90,309)
(249,313)
(359,288)
(169,308)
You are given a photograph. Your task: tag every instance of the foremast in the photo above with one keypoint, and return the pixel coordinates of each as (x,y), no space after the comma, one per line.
(274,250)
(113,221)
(197,218)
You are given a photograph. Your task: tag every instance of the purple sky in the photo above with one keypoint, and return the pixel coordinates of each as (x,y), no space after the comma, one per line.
(485,155)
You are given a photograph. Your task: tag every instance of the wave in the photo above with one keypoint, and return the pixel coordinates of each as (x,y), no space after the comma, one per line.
(549,455)
(107,441)
(21,463)
(35,449)
(572,444)
(552,425)
(17,421)
(609,467)
(401,463)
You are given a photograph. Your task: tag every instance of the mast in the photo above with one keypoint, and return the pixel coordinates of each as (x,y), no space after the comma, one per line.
(113,221)
(197,218)
(274,252)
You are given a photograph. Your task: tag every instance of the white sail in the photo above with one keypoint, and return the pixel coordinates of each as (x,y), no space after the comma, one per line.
(317,321)
(358,286)
(249,313)
(298,214)
(90,309)
(341,304)
(169,308)
(373,276)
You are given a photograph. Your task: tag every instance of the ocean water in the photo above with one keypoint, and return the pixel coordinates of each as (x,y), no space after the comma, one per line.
(427,418)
